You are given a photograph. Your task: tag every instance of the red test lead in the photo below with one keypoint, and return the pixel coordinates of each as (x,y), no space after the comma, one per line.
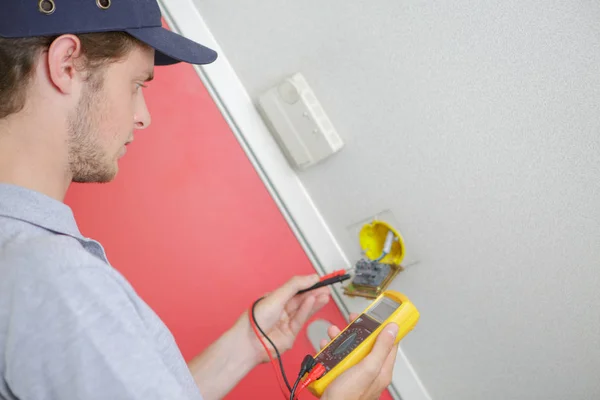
(329,279)
(339,272)
(317,372)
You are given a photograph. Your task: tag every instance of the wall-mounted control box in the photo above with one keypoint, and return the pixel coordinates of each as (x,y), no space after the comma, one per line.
(298,122)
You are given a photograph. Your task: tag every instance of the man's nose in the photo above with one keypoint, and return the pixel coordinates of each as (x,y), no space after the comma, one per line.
(141,118)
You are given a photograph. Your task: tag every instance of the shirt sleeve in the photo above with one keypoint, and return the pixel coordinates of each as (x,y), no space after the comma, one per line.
(76,335)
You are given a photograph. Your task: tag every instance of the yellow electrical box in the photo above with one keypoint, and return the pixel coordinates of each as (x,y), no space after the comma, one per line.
(372,238)
(384,250)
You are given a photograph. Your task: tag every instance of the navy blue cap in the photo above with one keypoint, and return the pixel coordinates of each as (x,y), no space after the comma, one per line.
(139,18)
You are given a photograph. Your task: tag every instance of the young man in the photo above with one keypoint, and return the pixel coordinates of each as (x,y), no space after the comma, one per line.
(71,327)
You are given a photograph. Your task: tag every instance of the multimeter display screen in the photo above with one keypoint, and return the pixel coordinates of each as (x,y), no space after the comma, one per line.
(383,310)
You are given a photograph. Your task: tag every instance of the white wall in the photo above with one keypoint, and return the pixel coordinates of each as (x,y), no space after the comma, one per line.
(478,124)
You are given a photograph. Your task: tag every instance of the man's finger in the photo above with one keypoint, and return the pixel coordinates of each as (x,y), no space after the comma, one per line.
(386,374)
(289,289)
(295,302)
(365,374)
(333,331)
(302,315)
(374,361)
(320,302)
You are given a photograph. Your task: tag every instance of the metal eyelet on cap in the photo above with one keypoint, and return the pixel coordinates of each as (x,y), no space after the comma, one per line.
(46,6)
(103,4)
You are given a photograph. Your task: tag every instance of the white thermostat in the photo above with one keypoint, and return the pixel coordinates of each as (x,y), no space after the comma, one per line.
(298,122)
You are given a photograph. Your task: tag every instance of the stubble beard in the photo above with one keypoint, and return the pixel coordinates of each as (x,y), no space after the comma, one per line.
(88,162)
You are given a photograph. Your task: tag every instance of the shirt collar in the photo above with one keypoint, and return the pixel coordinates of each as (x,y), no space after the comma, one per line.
(38,209)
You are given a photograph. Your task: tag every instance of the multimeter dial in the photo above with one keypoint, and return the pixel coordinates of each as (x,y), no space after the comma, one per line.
(347,341)
(356,333)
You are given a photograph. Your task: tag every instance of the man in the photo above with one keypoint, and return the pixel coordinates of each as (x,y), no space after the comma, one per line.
(71,327)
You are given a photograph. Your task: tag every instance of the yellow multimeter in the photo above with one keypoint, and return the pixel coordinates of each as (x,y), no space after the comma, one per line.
(356,341)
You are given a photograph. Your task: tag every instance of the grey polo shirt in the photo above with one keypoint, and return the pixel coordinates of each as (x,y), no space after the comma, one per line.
(71,326)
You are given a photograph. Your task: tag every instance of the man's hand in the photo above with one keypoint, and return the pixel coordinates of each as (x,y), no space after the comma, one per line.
(369,378)
(282,314)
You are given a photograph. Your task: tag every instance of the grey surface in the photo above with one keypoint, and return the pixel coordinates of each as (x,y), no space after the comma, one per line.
(478,124)
(317,331)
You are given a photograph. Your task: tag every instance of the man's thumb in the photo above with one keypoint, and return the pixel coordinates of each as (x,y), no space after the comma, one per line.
(363,374)
(383,345)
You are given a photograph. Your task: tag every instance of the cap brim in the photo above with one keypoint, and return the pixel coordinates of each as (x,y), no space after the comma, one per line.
(172,48)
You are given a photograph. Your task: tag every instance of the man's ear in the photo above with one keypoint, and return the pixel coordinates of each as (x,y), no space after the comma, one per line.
(62,59)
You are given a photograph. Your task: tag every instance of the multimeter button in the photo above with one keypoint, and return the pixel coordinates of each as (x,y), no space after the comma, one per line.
(345,344)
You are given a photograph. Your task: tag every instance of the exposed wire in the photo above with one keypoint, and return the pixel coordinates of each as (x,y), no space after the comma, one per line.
(387,246)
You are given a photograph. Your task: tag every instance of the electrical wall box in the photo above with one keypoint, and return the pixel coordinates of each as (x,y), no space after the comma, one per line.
(298,122)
